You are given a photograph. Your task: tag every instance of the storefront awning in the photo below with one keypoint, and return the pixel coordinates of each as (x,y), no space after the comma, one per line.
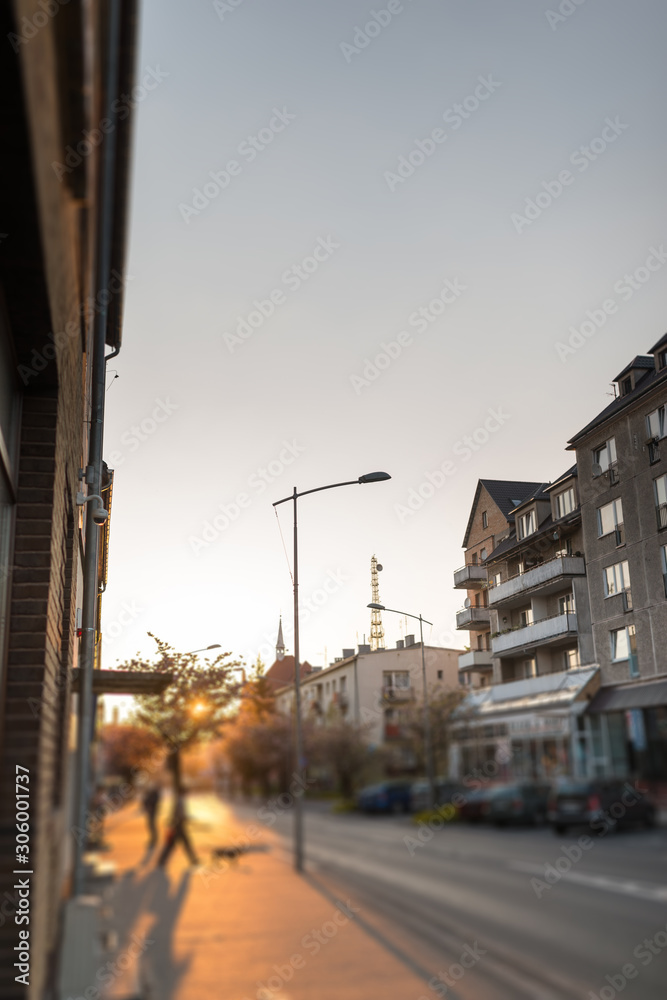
(548,692)
(618,699)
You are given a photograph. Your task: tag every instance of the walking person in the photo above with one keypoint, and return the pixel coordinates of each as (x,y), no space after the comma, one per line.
(150,803)
(176,832)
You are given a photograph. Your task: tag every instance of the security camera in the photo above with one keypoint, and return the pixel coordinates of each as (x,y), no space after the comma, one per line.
(100,515)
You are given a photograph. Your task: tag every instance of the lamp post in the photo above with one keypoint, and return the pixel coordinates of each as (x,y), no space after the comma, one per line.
(428,745)
(371,477)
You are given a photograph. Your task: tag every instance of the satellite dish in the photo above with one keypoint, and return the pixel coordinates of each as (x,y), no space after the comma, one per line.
(467,603)
(597,469)
(378,567)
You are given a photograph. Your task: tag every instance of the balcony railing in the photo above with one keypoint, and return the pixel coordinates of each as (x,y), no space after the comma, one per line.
(470,577)
(473,618)
(542,631)
(547,572)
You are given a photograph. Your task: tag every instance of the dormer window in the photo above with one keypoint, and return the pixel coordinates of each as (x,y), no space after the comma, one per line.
(565,502)
(527,524)
(662,359)
(626,385)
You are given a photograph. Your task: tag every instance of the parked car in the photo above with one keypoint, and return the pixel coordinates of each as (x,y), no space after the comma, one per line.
(518,802)
(385,797)
(477,802)
(601,804)
(445,790)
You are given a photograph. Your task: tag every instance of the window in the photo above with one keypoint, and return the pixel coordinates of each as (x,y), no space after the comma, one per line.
(485,519)
(566,604)
(605,456)
(343,684)
(655,423)
(623,643)
(527,524)
(474,559)
(610,517)
(626,385)
(439,675)
(660,491)
(663,554)
(397,679)
(565,503)
(571,659)
(662,359)
(482,555)
(495,580)
(616,578)
(526,617)
(527,669)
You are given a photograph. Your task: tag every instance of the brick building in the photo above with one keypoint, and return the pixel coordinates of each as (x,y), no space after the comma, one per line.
(54,73)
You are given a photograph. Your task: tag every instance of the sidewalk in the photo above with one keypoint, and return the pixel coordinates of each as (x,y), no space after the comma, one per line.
(246,929)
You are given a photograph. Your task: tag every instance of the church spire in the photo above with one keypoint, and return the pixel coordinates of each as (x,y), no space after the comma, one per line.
(280,645)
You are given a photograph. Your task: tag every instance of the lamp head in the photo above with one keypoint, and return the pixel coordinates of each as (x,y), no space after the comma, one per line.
(376,607)
(374,477)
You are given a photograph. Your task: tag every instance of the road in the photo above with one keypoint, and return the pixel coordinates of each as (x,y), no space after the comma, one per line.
(576,930)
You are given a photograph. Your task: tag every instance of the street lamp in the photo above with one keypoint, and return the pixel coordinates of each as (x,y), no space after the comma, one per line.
(216,645)
(371,477)
(428,746)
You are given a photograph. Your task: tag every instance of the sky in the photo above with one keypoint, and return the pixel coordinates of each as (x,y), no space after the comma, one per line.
(367,237)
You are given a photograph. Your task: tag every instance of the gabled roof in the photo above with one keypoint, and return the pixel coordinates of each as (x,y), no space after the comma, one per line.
(661,343)
(281,672)
(505,493)
(572,471)
(641,361)
(539,494)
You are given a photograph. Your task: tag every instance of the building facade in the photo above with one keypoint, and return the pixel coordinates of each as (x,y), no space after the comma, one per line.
(577,605)
(622,461)
(490,521)
(378,690)
(53,89)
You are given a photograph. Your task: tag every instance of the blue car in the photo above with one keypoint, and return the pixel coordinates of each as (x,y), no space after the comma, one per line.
(386,797)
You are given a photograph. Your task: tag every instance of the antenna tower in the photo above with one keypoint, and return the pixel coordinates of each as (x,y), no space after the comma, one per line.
(377,631)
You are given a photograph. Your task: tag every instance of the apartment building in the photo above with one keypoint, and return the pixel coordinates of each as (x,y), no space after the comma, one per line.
(376,688)
(490,520)
(577,605)
(622,461)
(539,628)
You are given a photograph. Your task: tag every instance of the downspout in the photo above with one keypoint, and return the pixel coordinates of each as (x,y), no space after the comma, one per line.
(93,475)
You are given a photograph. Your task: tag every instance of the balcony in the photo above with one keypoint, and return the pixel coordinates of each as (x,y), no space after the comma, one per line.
(473,619)
(475,659)
(470,577)
(548,576)
(541,633)
(390,694)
